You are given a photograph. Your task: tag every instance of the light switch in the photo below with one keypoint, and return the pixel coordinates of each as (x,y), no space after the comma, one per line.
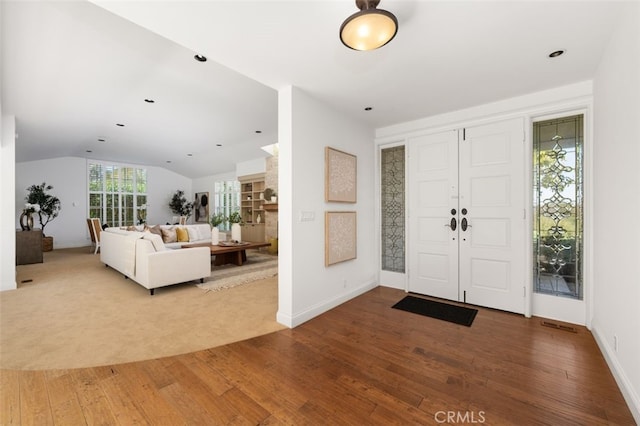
(307,216)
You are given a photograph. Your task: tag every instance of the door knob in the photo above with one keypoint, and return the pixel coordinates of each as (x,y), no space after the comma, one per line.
(453,224)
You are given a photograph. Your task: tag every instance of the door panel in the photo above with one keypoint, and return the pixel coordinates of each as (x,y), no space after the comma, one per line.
(492,249)
(433,192)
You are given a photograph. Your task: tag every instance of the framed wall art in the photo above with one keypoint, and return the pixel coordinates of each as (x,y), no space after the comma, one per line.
(201,207)
(340,176)
(340,237)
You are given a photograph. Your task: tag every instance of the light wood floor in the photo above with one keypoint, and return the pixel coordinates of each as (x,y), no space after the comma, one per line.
(361,363)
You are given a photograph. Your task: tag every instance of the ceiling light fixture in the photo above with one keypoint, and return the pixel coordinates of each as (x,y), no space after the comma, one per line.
(370,28)
(556,53)
(200,58)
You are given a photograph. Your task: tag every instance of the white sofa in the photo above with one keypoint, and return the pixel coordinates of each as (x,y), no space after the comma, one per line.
(144,258)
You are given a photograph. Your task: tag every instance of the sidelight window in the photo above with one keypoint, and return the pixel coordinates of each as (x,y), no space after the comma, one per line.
(558,206)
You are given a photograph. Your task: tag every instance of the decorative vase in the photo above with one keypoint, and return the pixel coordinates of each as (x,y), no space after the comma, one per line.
(274,199)
(259,219)
(236,232)
(215,236)
(26,221)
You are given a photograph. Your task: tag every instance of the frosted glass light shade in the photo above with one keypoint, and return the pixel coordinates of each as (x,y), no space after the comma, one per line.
(368,29)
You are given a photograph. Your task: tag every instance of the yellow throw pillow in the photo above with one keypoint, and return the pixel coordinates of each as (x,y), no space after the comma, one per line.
(183,235)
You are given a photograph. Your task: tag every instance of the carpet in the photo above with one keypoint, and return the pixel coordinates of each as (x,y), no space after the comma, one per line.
(258,266)
(72,312)
(442,311)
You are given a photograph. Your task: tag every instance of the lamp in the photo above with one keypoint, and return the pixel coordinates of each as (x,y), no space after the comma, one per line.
(370,28)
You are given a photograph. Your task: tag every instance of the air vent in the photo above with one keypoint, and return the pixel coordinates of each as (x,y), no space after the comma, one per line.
(559,326)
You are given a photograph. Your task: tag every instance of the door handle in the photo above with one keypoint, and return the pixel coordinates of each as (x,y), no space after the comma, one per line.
(464,225)
(453,224)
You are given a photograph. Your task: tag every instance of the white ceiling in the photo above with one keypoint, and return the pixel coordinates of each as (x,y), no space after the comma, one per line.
(72,70)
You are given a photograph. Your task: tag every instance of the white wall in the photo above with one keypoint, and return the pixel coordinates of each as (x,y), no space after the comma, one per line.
(251,167)
(68,176)
(307,286)
(616,205)
(7,187)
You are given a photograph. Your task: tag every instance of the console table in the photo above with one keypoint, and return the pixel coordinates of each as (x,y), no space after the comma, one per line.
(28,247)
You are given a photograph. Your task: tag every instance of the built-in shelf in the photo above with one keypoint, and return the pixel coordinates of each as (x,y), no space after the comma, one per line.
(251,206)
(270,207)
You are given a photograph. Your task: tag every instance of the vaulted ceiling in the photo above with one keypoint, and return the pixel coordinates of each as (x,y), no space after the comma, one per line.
(72,71)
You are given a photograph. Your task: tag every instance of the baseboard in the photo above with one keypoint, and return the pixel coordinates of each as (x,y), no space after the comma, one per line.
(629,394)
(324,306)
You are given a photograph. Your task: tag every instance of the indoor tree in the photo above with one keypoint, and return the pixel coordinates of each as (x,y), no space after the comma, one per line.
(179,204)
(49,204)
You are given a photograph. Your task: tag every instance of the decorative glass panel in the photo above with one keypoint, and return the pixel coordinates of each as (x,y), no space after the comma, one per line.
(558,202)
(393,209)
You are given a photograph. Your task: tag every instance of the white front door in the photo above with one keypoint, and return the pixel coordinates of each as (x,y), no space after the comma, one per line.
(433,193)
(466,209)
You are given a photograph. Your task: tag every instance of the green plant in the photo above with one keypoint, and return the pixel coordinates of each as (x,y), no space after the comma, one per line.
(235,217)
(217,219)
(179,204)
(49,204)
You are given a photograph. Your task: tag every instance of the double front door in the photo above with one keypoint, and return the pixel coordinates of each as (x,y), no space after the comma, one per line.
(467,215)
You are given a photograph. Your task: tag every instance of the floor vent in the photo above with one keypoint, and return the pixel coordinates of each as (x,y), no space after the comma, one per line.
(559,326)
(26,281)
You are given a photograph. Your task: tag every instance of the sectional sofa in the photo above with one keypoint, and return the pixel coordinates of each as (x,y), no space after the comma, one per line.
(144,257)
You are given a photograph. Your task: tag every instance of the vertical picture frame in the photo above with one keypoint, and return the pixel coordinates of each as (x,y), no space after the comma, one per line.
(201,207)
(340,176)
(340,236)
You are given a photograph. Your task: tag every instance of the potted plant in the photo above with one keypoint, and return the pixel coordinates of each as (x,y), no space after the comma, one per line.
(236,232)
(179,204)
(216,220)
(49,208)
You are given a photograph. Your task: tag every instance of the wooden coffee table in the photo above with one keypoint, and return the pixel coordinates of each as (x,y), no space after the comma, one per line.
(235,253)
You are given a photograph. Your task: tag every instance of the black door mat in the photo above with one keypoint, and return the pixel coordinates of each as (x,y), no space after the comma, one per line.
(443,311)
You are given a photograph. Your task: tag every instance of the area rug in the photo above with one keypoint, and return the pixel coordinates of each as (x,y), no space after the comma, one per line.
(258,266)
(442,311)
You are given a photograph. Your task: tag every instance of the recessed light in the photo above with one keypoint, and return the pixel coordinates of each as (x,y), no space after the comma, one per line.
(88,150)
(200,58)
(149,101)
(119,124)
(258,131)
(556,53)
(189,155)
(368,108)
(168,161)
(100,140)
(218,144)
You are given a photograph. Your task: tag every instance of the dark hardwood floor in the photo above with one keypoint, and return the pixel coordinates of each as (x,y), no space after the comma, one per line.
(361,363)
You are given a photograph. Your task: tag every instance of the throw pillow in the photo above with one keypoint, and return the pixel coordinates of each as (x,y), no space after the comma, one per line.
(193,233)
(169,235)
(154,230)
(182,234)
